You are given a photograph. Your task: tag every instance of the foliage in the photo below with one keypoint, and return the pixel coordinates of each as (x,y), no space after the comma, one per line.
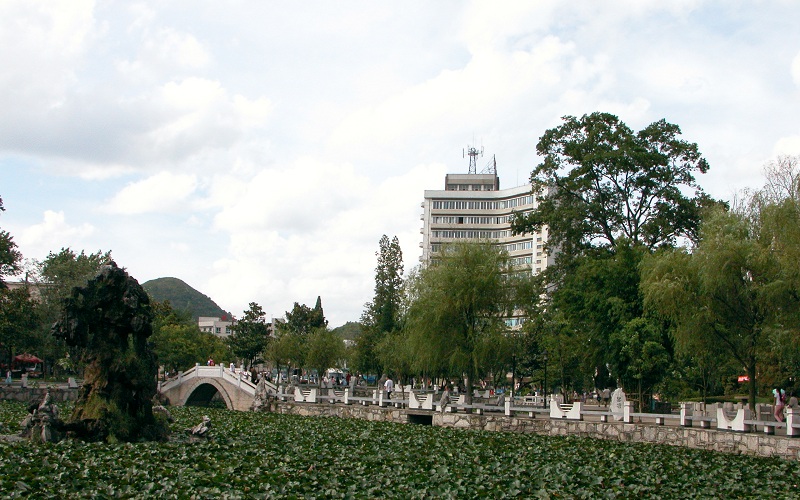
(600,182)
(286,349)
(10,257)
(264,455)
(292,334)
(456,306)
(250,335)
(18,323)
(382,315)
(184,298)
(303,319)
(725,290)
(608,196)
(56,277)
(178,341)
(325,350)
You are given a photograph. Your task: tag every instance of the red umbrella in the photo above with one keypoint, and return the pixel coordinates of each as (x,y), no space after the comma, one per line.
(27,358)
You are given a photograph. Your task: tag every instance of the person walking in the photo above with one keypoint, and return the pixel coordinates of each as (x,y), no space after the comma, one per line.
(388,387)
(780,401)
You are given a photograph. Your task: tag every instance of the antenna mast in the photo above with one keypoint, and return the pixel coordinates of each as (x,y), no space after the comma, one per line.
(473,158)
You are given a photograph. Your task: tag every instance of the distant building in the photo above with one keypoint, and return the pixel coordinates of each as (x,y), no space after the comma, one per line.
(473,207)
(34,289)
(217,326)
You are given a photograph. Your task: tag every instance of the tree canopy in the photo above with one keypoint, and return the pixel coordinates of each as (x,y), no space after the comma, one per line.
(601,182)
(250,335)
(178,341)
(457,307)
(382,315)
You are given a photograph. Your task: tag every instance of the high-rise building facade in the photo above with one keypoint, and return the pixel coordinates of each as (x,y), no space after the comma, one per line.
(472,207)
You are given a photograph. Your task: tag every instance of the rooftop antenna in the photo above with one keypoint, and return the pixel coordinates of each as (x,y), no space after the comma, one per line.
(473,153)
(491,167)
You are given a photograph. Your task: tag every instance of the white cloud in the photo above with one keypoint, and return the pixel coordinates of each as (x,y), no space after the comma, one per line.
(158,193)
(788,145)
(319,238)
(54,233)
(265,164)
(795,69)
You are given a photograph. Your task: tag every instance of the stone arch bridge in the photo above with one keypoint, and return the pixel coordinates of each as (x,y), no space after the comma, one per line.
(198,386)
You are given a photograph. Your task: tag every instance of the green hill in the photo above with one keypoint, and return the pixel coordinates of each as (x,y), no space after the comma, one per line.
(183,297)
(348,331)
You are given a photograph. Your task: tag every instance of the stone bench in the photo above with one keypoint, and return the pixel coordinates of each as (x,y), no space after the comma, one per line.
(565,411)
(305,395)
(738,421)
(423,402)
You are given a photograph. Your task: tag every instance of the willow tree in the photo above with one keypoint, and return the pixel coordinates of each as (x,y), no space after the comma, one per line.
(457,305)
(725,292)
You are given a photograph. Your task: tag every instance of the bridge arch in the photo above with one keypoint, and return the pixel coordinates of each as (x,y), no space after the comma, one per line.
(200,392)
(204,392)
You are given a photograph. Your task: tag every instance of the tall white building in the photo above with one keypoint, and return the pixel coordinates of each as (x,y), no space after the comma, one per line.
(472,206)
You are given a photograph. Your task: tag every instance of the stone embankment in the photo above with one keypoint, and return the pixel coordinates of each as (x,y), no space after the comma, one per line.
(58,394)
(706,439)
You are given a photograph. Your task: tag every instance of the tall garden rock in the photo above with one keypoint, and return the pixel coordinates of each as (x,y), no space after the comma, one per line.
(110,319)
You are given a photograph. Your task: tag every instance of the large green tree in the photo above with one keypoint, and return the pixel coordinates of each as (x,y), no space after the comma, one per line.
(10,256)
(294,332)
(601,182)
(607,197)
(457,306)
(18,316)
(250,335)
(382,315)
(56,277)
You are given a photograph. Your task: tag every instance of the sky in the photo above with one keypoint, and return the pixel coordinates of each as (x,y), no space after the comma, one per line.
(258,151)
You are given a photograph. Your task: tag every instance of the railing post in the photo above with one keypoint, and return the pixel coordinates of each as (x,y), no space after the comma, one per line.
(196,370)
(508,407)
(347,395)
(685,413)
(626,412)
(180,377)
(792,418)
(221,371)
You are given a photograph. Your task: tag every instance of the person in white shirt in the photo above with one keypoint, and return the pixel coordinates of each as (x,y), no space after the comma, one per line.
(388,386)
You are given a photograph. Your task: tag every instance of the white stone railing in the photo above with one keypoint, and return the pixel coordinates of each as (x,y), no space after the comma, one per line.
(705,416)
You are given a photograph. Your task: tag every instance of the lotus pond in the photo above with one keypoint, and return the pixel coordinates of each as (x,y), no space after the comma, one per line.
(259,455)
